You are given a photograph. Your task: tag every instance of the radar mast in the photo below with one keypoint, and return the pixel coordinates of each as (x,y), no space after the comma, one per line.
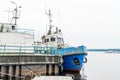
(50,23)
(15,17)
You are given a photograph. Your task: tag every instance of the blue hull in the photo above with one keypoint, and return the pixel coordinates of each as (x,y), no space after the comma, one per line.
(73,58)
(73,63)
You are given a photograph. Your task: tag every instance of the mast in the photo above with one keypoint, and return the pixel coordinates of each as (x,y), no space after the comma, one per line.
(50,22)
(16,12)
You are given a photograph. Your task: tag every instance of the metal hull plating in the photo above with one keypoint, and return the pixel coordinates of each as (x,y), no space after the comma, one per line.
(73,58)
(73,62)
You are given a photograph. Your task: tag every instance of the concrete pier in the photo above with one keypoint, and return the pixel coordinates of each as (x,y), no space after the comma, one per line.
(27,66)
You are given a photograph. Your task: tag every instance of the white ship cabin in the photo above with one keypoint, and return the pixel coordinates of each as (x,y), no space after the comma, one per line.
(53,39)
(12,36)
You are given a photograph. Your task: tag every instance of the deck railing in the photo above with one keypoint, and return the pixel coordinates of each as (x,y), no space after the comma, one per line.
(20,30)
(27,49)
(27,31)
(40,50)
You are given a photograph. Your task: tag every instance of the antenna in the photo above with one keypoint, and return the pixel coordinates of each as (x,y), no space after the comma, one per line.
(50,21)
(16,12)
(59,18)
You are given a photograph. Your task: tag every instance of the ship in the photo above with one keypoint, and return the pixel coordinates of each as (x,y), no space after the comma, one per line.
(18,53)
(73,57)
(14,39)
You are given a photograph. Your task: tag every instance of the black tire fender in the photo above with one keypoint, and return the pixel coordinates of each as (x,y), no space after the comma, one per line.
(85,61)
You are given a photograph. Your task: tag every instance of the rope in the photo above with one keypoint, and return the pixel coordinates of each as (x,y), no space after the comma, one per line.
(11,75)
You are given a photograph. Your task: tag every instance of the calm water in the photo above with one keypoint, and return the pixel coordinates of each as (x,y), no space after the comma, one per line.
(102,66)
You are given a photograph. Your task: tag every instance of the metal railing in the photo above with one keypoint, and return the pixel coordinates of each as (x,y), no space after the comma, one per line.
(27,31)
(44,50)
(20,30)
(27,49)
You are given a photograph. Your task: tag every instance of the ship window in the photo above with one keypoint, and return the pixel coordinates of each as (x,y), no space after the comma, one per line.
(76,61)
(1,30)
(47,40)
(59,39)
(52,39)
(13,27)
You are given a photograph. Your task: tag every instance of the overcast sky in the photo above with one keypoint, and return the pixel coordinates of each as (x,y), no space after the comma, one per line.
(93,23)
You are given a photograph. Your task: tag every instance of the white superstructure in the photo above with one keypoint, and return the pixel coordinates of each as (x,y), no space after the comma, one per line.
(14,39)
(52,38)
(12,36)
